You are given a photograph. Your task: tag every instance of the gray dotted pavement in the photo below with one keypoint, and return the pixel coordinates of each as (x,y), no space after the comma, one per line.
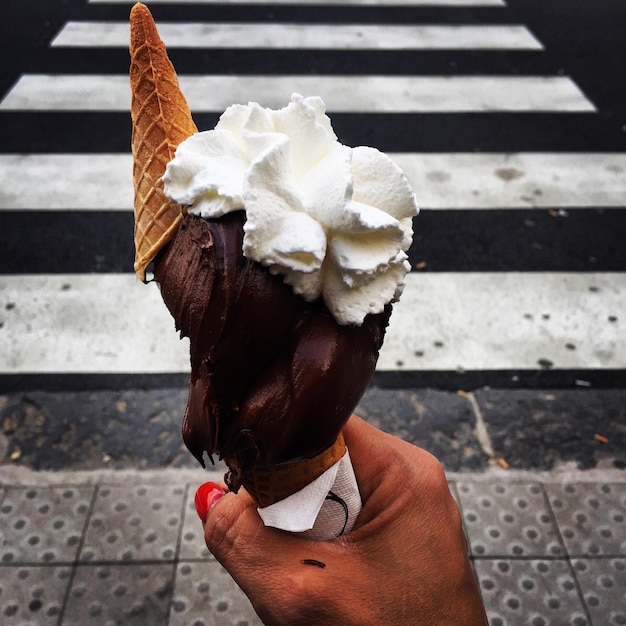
(98,526)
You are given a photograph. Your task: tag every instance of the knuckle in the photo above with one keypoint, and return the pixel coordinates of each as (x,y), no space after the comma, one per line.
(433,469)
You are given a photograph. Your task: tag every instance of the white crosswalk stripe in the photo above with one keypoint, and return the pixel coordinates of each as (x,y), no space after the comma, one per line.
(388,94)
(442,181)
(306,36)
(111,323)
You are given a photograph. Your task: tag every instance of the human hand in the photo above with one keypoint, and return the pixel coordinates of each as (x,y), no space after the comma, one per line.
(405,562)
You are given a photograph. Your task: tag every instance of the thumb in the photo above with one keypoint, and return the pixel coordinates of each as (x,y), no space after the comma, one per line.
(272,567)
(231,520)
(237,537)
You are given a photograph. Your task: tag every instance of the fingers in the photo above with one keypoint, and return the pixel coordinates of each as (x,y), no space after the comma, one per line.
(230,525)
(237,537)
(206,497)
(283,575)
(372,453)
(386,464)
(235,534)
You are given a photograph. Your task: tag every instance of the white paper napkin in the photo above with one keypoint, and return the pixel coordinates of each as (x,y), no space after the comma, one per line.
(324,509)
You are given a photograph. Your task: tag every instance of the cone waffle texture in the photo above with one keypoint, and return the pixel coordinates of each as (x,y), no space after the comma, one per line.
(161,120)
(270,484)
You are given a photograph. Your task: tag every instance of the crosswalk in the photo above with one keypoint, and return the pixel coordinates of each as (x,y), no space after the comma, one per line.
(491,299)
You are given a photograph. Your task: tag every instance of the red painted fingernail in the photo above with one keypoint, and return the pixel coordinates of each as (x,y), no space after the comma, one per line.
(206,496)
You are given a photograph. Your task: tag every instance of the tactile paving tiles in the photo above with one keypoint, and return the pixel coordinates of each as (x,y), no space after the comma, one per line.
(206,595)
(530,592)
(508,519)
(603,584)
(192,544)
(591,516)
(129,594)
(43,524)
(135,522)
(32,594)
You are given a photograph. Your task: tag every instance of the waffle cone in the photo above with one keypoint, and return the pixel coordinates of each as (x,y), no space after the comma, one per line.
(271,483)
(161,120)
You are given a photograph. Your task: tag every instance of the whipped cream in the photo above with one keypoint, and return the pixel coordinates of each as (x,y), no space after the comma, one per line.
(334,221)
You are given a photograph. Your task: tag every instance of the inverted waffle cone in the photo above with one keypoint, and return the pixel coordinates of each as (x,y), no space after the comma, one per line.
(161,121)
(271,483)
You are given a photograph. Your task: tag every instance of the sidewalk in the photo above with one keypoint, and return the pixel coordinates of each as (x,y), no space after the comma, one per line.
(125,547)
(97,524)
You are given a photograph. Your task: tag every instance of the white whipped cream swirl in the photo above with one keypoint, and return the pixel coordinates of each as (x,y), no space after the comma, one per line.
(335,221)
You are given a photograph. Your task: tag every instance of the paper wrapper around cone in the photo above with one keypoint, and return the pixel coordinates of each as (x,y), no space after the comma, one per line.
(269,484)
(324,509)
(161,121)
(318,497)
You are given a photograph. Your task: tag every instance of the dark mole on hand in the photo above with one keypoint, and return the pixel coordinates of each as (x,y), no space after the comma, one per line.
(313,562)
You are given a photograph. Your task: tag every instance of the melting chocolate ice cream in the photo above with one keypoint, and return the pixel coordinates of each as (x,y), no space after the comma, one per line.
(273,378)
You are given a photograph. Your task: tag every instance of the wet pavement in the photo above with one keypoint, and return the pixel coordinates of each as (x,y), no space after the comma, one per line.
(97,523)
(468,431)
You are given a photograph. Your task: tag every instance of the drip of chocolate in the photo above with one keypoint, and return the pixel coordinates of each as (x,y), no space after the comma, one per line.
(273,378)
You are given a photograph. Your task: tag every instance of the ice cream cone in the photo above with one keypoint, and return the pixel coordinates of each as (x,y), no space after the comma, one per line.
(161,121)
(272,483)
(260,355)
